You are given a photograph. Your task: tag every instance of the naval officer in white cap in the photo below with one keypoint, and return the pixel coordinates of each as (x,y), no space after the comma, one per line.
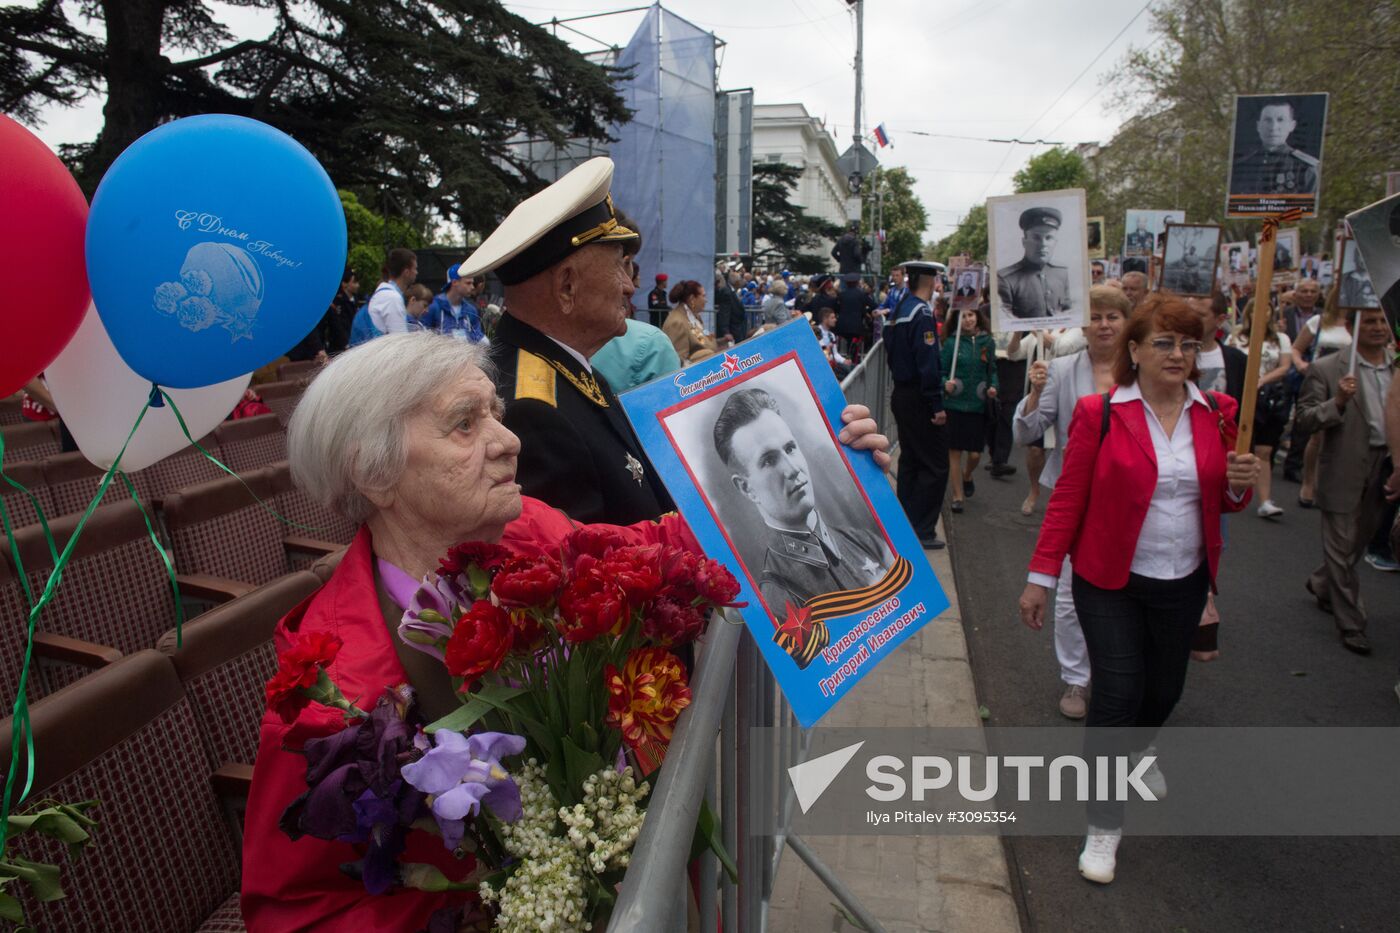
(565,262)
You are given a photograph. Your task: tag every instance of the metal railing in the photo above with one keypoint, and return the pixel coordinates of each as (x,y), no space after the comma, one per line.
(735,742)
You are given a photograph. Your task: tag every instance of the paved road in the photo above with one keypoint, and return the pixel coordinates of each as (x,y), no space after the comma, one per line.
(1282,664)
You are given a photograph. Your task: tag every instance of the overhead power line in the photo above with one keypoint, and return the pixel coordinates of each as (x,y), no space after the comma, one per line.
(1061,96)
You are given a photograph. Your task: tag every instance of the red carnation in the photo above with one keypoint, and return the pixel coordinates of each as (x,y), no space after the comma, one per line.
(298,668)
(637,569)
(594,540)
(479,642)
(486,555)
(670,622)
(523,582)
(715,583)
(590,605)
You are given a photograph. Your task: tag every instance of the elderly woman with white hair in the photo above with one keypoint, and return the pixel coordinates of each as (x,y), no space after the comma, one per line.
(403,436)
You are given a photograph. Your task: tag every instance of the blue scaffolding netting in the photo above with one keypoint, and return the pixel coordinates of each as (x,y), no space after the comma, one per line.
(665,155)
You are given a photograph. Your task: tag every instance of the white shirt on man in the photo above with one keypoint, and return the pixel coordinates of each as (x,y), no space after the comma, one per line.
(387,311)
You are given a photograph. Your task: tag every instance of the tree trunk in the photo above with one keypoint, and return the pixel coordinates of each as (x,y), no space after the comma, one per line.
(134,69)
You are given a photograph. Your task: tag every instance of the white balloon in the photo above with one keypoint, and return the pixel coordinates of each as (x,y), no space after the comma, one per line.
(99,396)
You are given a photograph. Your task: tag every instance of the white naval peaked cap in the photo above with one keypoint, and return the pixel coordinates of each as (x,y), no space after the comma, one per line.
(544,228)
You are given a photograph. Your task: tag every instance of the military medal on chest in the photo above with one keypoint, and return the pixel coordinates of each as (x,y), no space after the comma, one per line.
(634,466)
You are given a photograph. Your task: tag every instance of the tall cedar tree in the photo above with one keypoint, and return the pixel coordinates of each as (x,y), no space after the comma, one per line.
(787,231)
(413,99)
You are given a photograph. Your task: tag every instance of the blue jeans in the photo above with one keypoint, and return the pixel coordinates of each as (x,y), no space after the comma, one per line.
(1139,640)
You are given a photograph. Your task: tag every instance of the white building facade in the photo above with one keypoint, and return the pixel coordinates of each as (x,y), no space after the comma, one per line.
(788,133)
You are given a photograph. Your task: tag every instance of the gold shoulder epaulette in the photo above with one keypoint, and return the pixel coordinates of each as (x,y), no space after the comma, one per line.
(534,378)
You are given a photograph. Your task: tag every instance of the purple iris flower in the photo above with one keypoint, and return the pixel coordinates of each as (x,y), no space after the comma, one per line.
(463,774)
(426,623)
(355,793)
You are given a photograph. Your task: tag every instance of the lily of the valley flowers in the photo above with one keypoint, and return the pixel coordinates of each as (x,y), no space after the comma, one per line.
(461,774)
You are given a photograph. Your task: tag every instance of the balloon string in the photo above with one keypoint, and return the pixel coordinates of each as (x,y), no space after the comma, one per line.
(218,463)
(165,559)
(20,725)
(9,533)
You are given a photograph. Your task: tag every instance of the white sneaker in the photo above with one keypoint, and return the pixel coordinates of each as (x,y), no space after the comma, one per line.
(1267,509)
(1153,777)
(1100,855)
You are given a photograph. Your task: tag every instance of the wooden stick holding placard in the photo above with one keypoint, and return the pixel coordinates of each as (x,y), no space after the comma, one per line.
(1258,328)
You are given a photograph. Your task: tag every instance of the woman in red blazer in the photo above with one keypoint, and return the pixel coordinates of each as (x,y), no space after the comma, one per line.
(1137,508)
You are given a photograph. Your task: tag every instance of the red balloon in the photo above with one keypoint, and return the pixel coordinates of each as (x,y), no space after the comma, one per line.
(41,244)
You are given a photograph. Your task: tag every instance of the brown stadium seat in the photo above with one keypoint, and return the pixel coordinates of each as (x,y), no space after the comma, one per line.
(281,397)
(220,533)
(302,370)
(227,658)
(19,506)
(12,411)
(252,443)
(183,468)
(73,481)
(162,856)
(32,440)
(320,522)
(114,596)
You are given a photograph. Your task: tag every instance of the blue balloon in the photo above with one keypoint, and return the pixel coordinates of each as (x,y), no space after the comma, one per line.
(214,244)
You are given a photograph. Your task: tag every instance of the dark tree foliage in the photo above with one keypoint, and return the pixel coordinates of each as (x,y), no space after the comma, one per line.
(786,231)
(409,101)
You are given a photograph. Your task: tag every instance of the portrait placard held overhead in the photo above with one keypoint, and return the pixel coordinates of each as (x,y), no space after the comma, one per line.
(1377,232)
(1356,291)
(1094,237)
(1237,267)
(1142,231)
(1039,257)
(1286,256)
(968,283)
(1276,154)
(1190,259)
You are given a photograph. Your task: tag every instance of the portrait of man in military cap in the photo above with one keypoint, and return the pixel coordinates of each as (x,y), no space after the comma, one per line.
(1377,231)
(764,460)
(1040,254)
(1276,154)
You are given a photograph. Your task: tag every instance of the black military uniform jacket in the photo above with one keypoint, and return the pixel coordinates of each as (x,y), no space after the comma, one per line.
(799,567)
(1281,171)
(577,450)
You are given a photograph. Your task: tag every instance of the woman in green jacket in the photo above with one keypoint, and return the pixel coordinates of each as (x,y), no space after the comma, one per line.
(965,396)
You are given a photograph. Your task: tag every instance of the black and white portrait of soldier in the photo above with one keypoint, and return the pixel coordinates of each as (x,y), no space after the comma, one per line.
(1377,244)
(1038,259)
(1190,259)
(1271,155)
(1276,154)
(1356,290)
(800,554)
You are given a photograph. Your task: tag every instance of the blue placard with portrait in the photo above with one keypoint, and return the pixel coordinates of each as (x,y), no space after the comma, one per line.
(832,573)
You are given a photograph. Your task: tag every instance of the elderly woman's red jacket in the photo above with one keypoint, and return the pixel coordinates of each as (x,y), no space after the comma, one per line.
(290,886)
(1100,500)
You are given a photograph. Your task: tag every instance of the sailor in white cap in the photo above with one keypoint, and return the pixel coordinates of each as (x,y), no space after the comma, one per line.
(565,261)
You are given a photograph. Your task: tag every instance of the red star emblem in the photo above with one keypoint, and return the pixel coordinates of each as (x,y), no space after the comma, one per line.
(731,364)
(798,624)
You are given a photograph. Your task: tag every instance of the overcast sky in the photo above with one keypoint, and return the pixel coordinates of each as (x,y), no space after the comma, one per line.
(970,68)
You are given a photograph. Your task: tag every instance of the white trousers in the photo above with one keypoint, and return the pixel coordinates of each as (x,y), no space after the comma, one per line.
(1070,649)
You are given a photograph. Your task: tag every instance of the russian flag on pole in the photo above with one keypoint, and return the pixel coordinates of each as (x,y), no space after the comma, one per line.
(882,137)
